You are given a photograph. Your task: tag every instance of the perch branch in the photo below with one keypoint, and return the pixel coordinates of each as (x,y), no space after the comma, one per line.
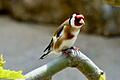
(75,59)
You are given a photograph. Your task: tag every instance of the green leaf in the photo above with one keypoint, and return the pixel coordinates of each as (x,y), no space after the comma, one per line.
(2,61)
(10,74)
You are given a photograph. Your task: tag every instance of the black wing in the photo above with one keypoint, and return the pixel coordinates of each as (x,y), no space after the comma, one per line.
(56,34)
(47,48)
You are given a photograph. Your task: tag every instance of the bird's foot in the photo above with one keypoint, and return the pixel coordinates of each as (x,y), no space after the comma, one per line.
(75,48)
(66,51)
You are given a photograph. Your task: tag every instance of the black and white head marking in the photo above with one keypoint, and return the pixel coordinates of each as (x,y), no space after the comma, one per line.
(76,20)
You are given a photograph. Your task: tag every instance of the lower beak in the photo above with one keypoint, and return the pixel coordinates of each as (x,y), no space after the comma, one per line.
(82,22)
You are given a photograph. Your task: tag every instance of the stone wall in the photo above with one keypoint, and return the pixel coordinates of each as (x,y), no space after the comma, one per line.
(100,18)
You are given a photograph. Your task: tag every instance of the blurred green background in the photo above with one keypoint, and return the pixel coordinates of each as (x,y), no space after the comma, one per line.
(26,27)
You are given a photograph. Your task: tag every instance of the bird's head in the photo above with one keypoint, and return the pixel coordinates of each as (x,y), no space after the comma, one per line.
(77,20)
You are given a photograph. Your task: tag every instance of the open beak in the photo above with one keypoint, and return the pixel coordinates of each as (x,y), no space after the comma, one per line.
(82,22)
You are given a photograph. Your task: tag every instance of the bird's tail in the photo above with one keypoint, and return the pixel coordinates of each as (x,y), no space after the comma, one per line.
(45,54)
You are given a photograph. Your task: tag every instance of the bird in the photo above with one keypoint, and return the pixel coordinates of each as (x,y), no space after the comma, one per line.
(65,35)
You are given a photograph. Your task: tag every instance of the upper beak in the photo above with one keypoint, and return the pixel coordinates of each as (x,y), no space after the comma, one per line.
(82,22)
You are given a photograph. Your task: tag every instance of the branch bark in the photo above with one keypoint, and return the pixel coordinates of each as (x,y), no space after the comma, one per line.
(75,59)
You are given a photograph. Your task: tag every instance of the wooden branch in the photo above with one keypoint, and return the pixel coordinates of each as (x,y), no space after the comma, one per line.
(75,59)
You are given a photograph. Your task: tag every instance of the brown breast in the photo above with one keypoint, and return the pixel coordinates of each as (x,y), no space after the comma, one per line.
(68,31)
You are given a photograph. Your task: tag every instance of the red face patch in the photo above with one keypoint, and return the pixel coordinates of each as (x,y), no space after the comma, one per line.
(79,17)
(77,20)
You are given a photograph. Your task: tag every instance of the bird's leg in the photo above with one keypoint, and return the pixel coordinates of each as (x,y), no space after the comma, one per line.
(66,52)
(75,48)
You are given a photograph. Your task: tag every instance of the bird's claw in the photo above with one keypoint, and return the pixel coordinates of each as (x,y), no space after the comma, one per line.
(75,48)
(66,52)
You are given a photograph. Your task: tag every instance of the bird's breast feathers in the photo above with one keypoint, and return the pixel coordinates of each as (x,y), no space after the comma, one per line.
(68,43)
(66,38)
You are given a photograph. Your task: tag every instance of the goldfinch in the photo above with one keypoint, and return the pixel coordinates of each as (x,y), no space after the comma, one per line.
(66,35)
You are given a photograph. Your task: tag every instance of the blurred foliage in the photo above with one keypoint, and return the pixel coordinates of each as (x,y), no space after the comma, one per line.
(113,2)
(101,18)
(2,61)
(9,74)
